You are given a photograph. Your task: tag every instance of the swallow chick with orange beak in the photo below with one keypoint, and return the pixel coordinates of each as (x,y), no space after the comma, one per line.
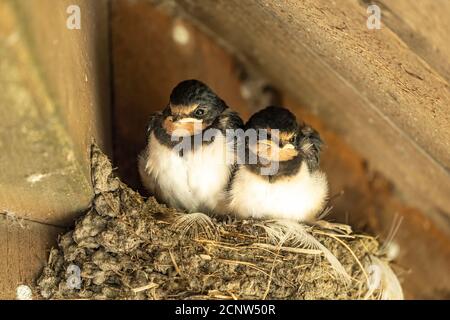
(285,181)
(192,177)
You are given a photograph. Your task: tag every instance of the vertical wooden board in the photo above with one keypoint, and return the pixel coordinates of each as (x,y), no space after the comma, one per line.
(24,248)
(74,65)
(49,112)
(148,61)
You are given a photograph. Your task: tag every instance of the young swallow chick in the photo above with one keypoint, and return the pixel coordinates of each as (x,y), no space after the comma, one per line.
(280,178)
(188,161)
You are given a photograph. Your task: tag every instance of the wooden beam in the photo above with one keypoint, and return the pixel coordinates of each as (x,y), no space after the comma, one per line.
(423,26)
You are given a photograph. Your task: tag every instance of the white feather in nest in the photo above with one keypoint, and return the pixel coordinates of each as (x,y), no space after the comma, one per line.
(193,224)
(390,249)
(383,280)
(294,233)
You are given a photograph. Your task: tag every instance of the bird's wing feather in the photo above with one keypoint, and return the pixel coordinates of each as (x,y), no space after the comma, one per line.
(153,121)
(311,145)
(229,120)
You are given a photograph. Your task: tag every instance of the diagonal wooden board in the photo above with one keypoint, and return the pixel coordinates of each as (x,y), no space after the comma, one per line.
(423,26)
(367,85)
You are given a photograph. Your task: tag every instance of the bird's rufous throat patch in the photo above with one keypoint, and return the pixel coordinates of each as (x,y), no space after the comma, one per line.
(267,149)
(183,127)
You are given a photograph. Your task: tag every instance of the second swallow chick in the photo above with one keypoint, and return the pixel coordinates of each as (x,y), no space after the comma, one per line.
(285,181)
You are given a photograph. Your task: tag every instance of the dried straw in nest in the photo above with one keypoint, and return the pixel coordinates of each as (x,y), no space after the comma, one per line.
(126,247)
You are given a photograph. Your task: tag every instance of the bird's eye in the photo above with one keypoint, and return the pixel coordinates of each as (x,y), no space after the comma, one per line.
(199,112)
(294,140)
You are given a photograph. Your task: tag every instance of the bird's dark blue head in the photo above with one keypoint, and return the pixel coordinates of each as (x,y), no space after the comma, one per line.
(194,99)
(277,118)
(291,143)
(193,107)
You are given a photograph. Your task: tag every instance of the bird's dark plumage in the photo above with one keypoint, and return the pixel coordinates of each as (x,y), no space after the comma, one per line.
(273,117)
(195,92)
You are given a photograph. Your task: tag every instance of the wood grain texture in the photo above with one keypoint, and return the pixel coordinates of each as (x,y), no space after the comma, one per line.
(53,104)
(24,248)
(74,65)
(368,85)
(423,26)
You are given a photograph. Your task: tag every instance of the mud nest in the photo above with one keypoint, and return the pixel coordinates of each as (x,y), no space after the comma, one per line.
(129,247)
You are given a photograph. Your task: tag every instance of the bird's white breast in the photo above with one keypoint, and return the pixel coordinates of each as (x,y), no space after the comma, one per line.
(195,181)
(300,197)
